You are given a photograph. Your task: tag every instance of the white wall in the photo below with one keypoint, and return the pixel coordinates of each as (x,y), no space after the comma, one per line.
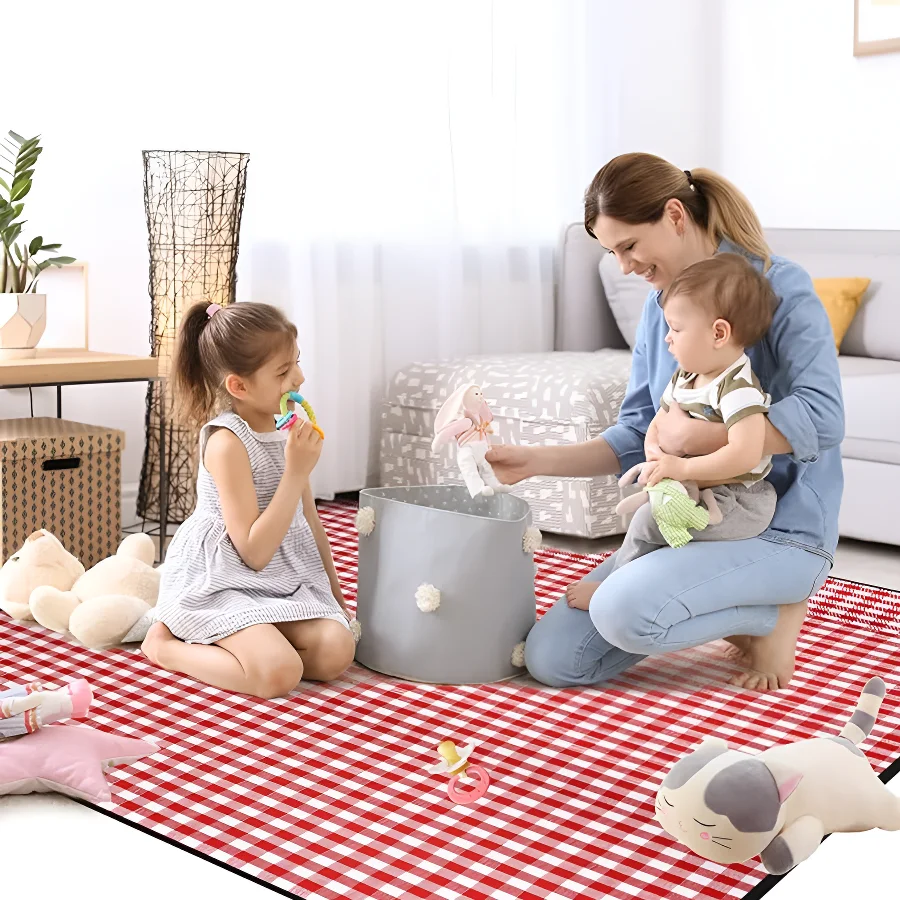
(656,79)
(104,83)
(809,132)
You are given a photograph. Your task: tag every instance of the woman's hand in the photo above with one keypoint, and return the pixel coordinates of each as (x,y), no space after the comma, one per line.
(302,450)
(511,464)
(666,466)
(680,434)
(673,426)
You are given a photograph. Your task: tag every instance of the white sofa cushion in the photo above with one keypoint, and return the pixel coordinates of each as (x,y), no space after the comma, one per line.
(871,397)
(870,502)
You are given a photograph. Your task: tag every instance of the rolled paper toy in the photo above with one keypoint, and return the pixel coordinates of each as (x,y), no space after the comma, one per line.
(288,417)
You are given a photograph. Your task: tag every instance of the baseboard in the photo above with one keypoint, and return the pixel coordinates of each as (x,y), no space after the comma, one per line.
(129,504)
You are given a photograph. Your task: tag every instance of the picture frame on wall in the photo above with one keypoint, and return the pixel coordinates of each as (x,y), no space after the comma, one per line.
(876,27)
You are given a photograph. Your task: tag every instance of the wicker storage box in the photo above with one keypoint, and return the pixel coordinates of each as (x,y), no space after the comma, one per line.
(65,477)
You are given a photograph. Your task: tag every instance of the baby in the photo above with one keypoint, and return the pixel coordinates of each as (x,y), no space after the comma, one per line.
(715,309)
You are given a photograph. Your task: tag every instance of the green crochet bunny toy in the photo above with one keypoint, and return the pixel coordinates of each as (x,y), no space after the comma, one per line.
(676,507)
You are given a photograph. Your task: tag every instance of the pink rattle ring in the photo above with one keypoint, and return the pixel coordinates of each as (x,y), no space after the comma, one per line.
(454,762)
(483,781)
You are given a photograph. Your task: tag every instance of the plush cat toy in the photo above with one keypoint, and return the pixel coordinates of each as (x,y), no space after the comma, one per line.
(729,806)
(466,417)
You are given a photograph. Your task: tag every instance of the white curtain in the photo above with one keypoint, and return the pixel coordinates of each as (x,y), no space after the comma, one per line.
(424,159)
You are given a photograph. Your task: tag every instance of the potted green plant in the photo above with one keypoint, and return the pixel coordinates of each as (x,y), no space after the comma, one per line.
(23,311)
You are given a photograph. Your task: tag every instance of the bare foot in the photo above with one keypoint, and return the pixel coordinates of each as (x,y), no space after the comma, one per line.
(578,595)
(157,637)
(740,644)
(770,659)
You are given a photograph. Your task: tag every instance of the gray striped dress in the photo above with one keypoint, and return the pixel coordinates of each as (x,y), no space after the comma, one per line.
(207,592)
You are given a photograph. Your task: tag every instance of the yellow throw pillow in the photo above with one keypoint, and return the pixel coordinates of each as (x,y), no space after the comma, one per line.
(841,298)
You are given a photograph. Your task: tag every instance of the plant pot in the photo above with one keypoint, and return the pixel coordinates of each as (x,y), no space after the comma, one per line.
(23,318)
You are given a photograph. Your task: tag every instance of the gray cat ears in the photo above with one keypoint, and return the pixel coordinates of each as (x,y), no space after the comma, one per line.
(687,767)
(787,780)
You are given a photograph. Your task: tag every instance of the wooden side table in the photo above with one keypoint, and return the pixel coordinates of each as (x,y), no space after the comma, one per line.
(64,368)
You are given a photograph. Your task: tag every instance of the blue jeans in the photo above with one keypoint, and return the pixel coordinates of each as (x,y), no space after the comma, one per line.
(669,600)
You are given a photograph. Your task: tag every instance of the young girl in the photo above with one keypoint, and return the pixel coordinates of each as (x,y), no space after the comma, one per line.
(249,600)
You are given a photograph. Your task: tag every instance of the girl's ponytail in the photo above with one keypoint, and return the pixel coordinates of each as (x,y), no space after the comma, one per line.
(196,396)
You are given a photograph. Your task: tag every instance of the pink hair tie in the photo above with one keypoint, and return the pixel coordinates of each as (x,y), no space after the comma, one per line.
(212,309)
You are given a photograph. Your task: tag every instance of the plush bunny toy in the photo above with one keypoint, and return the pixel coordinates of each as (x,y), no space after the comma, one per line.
(689,488)
(676,507)
(465,417)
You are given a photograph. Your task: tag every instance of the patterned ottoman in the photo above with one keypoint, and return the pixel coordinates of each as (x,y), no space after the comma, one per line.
(537,398)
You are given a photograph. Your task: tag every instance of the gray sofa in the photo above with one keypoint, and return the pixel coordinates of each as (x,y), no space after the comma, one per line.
(870,371)
(574,393)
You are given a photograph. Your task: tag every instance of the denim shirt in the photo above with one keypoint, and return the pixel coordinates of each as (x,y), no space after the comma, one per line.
(796,362)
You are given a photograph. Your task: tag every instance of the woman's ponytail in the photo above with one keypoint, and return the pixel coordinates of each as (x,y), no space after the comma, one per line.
(729,214)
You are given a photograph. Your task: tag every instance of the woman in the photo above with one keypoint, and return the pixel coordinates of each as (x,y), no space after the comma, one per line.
(657,220)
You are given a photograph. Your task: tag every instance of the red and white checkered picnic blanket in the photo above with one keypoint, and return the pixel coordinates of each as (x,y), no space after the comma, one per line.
(323,794)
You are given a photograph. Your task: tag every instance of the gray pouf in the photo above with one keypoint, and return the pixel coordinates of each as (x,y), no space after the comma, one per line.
(446,584)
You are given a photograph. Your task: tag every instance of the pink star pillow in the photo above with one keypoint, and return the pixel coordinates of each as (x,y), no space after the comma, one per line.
(66,759)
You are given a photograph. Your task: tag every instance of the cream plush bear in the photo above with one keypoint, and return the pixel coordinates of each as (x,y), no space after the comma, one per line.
(107,605)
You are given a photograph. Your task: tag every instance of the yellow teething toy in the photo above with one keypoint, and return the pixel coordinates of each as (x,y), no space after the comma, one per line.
(289,417)
(456,765)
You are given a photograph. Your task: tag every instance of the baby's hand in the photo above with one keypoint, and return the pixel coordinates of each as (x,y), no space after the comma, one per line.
(665,466)
(303,449)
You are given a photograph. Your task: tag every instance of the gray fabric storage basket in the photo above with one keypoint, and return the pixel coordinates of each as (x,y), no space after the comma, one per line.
(473,552)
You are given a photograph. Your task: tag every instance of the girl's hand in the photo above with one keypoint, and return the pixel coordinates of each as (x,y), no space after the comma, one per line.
(339,596)
(302,450)
(673,467)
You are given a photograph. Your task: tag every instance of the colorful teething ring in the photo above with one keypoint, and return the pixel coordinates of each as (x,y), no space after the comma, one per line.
(474,793)
(288,417)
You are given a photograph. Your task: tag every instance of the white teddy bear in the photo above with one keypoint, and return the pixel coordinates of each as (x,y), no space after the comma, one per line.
(105,606)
